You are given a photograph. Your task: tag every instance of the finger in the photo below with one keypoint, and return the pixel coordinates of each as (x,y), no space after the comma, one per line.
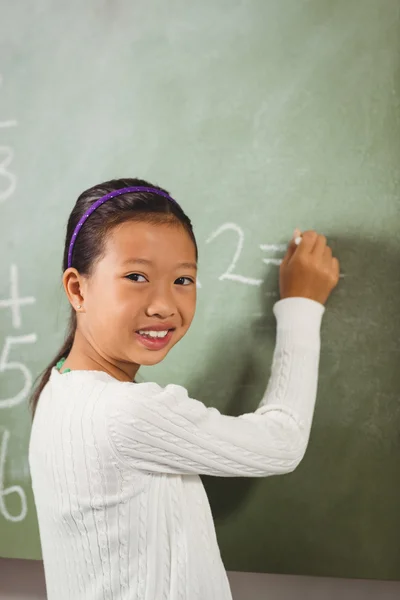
(320,246)
(336,268)
(297,236)
(308,241)
(289,252)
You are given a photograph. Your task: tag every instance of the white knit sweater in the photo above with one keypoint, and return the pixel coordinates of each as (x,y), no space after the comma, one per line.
(115,469)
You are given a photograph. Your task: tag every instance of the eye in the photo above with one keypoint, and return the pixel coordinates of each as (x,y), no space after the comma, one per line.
(136,277)
(184,281)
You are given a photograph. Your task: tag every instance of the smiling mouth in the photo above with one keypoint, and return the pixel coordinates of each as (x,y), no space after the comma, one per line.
(154,340)
(154,334)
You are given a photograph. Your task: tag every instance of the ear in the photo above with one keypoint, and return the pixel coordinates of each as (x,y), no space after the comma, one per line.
(74,286)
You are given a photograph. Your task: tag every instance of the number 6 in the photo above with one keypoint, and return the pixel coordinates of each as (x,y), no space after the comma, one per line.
(14,489)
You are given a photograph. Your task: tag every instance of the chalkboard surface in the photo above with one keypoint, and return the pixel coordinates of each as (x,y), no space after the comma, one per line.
(259,116)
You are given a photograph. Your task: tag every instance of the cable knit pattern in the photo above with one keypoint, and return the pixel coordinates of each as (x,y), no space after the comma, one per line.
(96,474)
(72,508)
(123,537)
(115,468)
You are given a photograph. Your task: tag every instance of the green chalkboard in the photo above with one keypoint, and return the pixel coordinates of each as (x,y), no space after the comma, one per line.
(259,116)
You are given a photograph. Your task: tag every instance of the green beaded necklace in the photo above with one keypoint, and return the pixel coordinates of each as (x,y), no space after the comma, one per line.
(59,366)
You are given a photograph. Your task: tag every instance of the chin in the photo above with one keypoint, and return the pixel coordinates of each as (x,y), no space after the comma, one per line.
(151,361)
(150,358)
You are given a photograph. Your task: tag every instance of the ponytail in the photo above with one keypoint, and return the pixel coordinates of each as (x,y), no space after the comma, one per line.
(63,352)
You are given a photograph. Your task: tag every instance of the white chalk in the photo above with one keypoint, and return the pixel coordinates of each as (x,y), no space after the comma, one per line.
(297,236)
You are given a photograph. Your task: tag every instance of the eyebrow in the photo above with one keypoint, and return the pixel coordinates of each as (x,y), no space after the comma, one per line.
(144,261)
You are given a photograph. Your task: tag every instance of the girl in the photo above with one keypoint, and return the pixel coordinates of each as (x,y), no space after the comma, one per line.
(115,465)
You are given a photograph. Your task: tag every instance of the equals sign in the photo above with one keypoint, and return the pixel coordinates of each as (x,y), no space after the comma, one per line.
(273,248)
(278,261)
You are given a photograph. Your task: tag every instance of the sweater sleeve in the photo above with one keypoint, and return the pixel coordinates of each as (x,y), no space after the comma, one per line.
(162,430)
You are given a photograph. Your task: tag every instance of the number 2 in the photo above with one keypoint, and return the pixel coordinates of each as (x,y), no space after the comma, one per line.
(229,271)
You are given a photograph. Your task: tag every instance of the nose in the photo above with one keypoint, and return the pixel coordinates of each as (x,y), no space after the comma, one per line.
(161,302)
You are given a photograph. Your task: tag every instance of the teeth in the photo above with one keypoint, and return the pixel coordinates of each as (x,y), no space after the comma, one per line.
(154,334)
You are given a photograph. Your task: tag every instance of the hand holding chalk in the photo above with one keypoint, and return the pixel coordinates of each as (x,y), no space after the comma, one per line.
(308,269)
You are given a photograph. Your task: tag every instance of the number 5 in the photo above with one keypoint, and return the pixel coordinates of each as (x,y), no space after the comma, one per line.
(16,366)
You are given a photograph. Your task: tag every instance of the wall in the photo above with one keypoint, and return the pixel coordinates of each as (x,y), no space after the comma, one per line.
(24,580)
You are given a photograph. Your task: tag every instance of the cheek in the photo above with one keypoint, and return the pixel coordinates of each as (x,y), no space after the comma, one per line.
(109,303)
(189,308)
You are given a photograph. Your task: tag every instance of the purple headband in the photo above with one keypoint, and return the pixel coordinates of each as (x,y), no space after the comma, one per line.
(101,201)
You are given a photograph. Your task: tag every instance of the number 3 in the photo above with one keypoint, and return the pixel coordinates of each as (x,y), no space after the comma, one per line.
(5,162)
(16,366)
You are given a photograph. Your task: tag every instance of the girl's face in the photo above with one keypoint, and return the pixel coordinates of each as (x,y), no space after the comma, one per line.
(141,298)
